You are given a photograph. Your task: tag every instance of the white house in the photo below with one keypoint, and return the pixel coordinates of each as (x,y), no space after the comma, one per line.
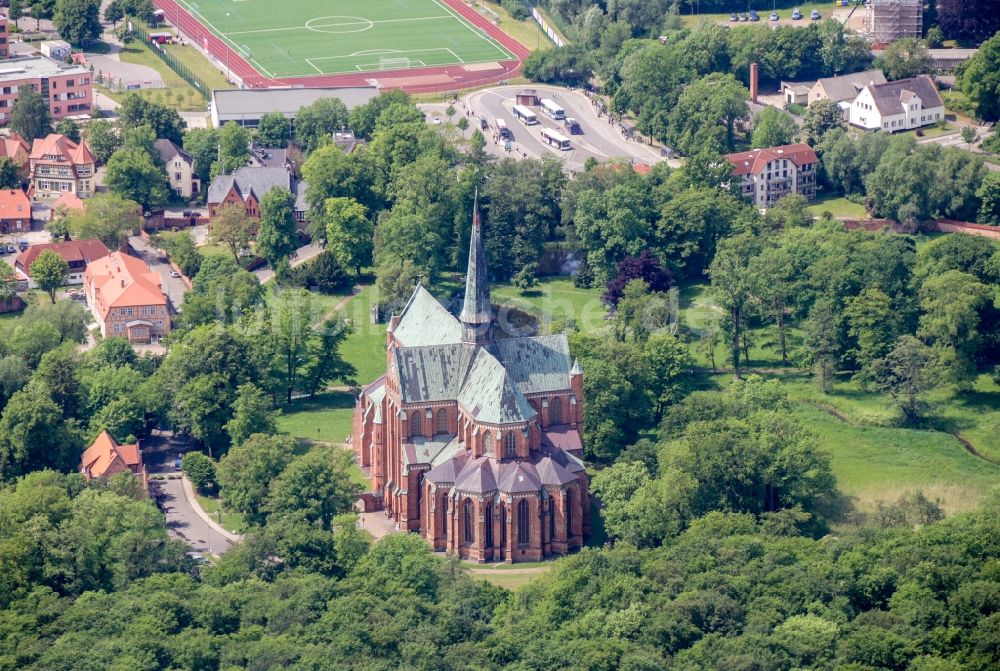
(899,105)
(180,169)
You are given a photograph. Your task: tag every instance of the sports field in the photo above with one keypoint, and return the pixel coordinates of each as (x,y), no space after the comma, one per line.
(299,38)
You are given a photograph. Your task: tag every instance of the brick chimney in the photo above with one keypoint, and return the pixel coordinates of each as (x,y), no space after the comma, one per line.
(754,78)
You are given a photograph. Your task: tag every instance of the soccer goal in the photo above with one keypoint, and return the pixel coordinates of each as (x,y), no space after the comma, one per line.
(397,63)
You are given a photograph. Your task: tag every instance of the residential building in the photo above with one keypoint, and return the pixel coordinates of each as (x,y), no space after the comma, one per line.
(247,106)
(898,105)
(15,211)
(180,169)
(77,254)
(59,165)
(768,175)
(474,441)
(67,203)
(247,185)
(4,37)
(16,148)
(843,88)
(126,298)
(106,457)
(796,93)
(57,50)
(67,88)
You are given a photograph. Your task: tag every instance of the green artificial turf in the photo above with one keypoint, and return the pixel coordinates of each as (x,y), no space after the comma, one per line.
(299,38)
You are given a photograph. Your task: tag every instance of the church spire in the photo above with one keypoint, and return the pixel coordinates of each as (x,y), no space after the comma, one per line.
(476,312)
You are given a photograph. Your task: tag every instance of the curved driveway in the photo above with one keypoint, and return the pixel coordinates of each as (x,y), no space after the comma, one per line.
(600,139)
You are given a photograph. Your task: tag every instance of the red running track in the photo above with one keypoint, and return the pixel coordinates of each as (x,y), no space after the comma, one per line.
(458,76)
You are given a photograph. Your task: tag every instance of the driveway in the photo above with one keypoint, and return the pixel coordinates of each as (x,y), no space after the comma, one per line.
(174,499)
(174,287)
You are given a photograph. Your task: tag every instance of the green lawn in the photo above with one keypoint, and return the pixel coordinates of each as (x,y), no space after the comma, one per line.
(178,94)
(229,520)
(202,68)
(555,298)
(838,206)
(311,37)
(511,581)
(526,32)
(325,418)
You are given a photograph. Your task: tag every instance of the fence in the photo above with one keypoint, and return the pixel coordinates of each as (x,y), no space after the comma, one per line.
(182,71)
(546,28)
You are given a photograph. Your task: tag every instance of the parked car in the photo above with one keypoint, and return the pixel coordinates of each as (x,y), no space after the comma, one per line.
(187,214)
(774,16)
(733,17)
(177,463)
(174,273)
(484,123)
(743,17)
(573,126)
(754,16)
(814,15)
(11,250)
(796,15)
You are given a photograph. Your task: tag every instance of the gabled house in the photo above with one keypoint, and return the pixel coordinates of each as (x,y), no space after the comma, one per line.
(767,175)
(126,298)
(15,211)
(843,88)
(898,105)
(180,169)
(59,165)
(106,457)
(16,148)
(247,186)
(76,253)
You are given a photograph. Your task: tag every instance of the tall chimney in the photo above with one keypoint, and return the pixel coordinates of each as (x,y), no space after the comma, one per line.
(754,76)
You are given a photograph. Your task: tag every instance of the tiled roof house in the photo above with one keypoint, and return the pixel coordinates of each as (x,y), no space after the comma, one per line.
(76,253)
(59,165)
(126,298)
(473,440)
(899,105)
(767,175)
(247,186)
(15,211)
(844,88)
(105,457)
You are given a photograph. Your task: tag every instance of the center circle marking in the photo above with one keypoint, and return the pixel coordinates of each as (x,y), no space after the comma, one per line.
(338,25)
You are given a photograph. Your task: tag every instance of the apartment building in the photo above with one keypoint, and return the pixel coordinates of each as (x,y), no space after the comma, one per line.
(899,105)
(4,35)
(768,175)
(67,88)
(58,165)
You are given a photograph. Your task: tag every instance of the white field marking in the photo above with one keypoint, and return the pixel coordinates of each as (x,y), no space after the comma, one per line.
(378,68)
(401,53)
(309,61)
(224,39)
(455,55)
(476,31)
(334,25)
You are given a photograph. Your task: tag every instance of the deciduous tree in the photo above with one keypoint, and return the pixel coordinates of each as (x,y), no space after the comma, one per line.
(49,272)
(29,116)
(773,128)
(276,238)
(245,474)
(232,227)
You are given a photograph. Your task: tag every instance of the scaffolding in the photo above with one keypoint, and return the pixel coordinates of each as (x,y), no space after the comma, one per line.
(889,20)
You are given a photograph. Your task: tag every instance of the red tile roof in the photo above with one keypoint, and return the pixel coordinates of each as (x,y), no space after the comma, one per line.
(124,281)
(755,161)
(14,204)
(106,457)
(73,250)
(69,201)
(14,147)
(55,144)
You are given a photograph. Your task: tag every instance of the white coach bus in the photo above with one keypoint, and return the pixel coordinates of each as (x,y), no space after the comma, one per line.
(554,139)
(525,115)
(553,110)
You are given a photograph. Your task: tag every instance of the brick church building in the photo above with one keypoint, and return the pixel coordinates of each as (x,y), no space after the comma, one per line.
(473,440)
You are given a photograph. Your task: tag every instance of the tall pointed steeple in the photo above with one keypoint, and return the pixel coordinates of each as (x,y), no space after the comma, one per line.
(476,314)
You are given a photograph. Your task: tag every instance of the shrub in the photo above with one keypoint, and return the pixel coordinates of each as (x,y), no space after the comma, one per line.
(200,470)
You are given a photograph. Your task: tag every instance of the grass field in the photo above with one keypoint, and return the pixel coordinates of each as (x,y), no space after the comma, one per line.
(298,38)
(178,94)
(838,206)
(326,418)
(230,521)
(555,298)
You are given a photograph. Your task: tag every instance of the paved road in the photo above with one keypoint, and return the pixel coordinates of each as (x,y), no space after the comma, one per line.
(599,139)
(182,521)
(173,286)
(302,254)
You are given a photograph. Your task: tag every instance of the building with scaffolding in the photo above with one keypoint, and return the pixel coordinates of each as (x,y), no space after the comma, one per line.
(889,20)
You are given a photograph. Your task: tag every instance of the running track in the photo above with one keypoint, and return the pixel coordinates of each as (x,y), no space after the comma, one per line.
(460,78)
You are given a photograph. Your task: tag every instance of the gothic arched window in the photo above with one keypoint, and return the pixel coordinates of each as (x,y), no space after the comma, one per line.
(509,445)
(420,494)
(552,519)
(569,514)
(523,523)
(415,426)
(468,521)
(488,444)
(555,411)
(444,517)
(489,526)
(441,425)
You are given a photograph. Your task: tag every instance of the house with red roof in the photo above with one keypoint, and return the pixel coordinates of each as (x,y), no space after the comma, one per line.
(767,175)
(106,457)
(16,147)
(126,298)
(76,253)
(58,165)
(15,211)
